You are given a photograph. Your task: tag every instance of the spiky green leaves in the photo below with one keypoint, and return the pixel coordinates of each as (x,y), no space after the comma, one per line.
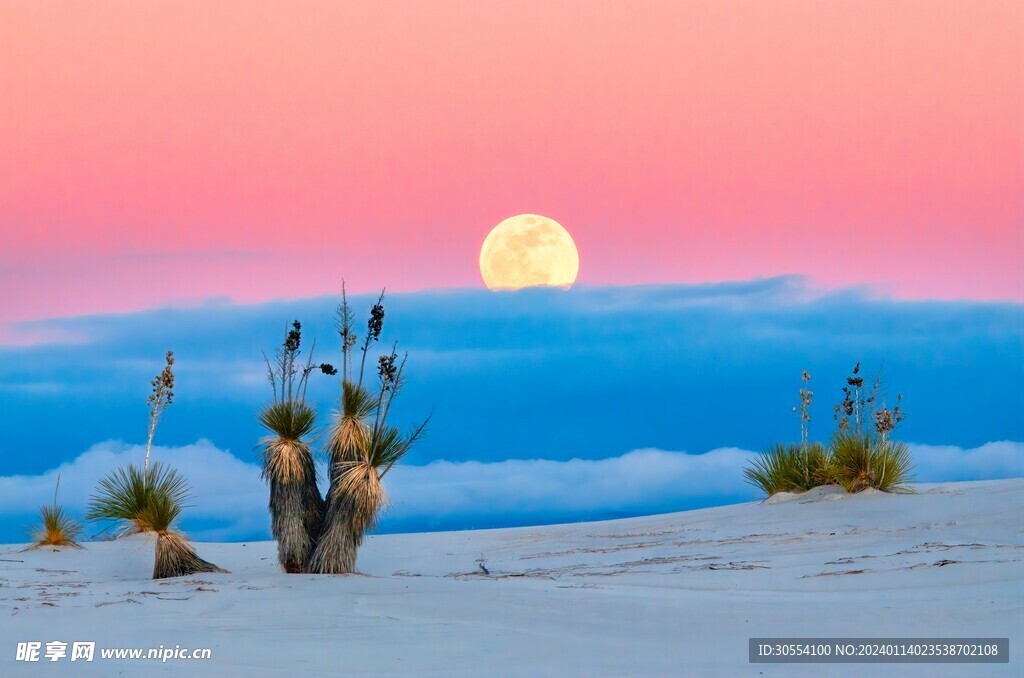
(350,432)
(57,528)
(856,462)
(867,461)
(290,419)
(126,495)
(160,513)
(790,468)
(358,484)
(356,401)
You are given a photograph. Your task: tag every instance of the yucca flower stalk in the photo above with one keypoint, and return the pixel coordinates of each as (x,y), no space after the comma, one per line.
(374,326)
(159,400)
(296,507)
(806,396)
(150,500)
(57,527)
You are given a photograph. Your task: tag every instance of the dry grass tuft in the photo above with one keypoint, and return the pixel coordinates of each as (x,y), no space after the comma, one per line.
(57,528)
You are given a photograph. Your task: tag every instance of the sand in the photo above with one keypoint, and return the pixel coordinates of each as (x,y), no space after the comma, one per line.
(672,595)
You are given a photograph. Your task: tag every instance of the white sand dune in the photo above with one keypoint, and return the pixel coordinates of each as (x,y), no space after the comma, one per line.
(672,595)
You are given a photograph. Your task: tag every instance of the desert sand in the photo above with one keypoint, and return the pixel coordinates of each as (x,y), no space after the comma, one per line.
(673,595)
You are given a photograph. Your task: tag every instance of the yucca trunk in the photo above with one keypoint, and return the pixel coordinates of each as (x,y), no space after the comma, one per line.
(362,499)
(340,538)
(297,517)
(336,551)
(175,557)
(354,503)
(296,507)
(355,500)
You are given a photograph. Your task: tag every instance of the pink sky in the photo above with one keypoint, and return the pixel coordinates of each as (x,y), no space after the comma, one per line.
(154,153)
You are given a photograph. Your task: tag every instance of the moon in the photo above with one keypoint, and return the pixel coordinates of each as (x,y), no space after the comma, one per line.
(529,250)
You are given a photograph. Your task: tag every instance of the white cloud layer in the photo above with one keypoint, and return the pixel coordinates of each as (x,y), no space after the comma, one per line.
(230,499)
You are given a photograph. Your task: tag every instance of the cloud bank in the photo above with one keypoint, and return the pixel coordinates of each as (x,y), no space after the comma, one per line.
(591,373)
(229,499)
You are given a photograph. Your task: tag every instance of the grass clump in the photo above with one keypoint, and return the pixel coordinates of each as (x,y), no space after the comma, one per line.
(791,468)
(865,461)
(56,526)
(857,458)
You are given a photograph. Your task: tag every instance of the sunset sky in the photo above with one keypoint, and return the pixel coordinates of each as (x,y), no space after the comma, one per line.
(754,187)
(155,153)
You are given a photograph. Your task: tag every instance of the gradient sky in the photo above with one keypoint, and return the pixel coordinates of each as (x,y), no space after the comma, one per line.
(154,153)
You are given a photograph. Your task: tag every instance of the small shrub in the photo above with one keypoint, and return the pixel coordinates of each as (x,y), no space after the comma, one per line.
(857,457)
(790,468)
(863,461)
(58,528)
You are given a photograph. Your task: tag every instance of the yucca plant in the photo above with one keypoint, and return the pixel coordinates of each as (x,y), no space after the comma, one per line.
(150,500)
(350,431)
(175,556)
(296,507)
(793,468)
(790,468)
(360,451)
(772,471)
(894,467)
(863,461)
(815,466)
(57,527)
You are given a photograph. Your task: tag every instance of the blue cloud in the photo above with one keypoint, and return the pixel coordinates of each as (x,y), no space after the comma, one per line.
(590,373)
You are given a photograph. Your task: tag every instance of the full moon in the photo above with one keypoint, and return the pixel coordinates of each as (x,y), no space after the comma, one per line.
(529,250)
